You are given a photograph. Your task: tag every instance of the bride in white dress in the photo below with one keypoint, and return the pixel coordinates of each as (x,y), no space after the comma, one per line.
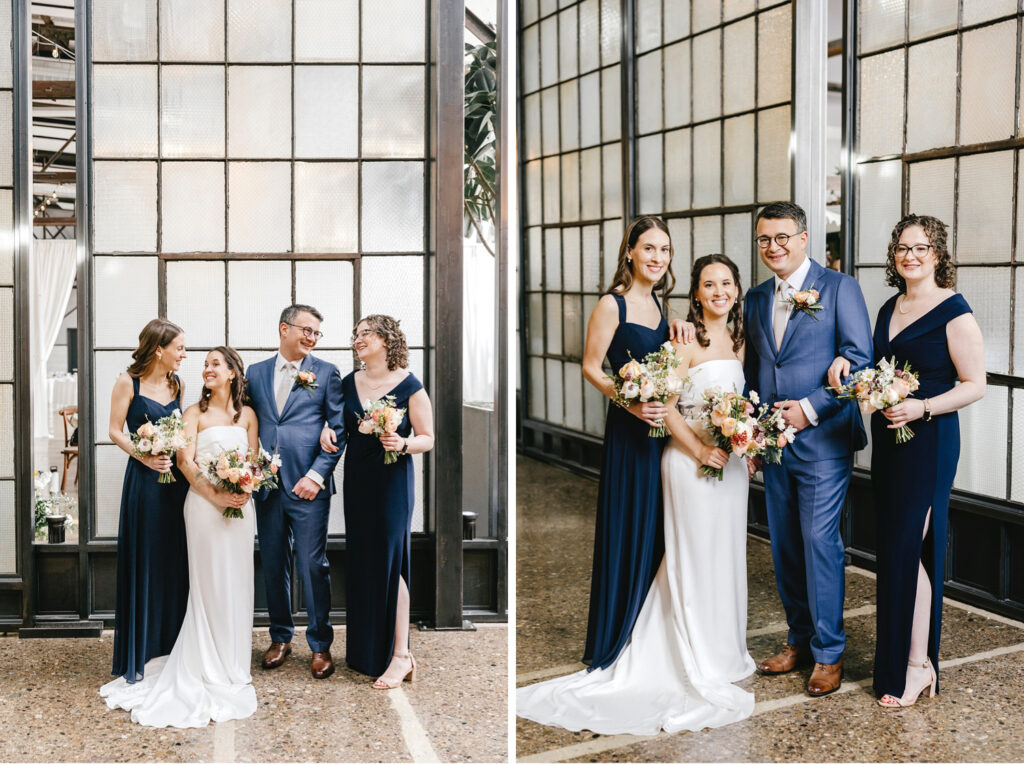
(206,676)
(689,642)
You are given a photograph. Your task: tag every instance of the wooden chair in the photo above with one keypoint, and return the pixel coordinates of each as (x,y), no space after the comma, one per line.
(69,452)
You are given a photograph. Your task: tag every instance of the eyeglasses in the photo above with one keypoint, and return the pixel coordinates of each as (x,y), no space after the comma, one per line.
(782,239)
(363,334)
(919,250)
(308,331)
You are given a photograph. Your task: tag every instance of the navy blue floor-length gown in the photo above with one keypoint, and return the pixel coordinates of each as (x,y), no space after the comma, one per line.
(378,518)
(152,555)
(629,540)
(908,479)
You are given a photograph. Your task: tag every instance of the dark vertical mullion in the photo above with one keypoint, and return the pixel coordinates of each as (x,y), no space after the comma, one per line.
(690,132)
(755,257)
(291,121)
(848,207)
(627,108)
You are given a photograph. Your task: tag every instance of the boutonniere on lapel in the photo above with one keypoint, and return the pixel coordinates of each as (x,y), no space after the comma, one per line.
(307,381)
(806,300)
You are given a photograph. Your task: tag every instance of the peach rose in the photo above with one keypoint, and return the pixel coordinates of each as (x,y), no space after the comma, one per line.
(631,370)
(147,431)
(233,475)
(728,426)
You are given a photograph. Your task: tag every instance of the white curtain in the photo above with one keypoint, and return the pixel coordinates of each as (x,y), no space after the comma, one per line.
(478,322)
(52,277)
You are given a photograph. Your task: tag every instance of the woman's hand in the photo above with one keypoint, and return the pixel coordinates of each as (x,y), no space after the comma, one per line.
(157,463)
(713,456)
(754,464)
(838,371)
(682,331)
(221,498)
(328,440)
(901,413)
(392,441)
(652,412)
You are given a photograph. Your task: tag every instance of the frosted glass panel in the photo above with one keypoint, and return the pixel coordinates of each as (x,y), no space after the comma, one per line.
(252,323)
(259,212)
(707,165)
(535,330)
(987,291)
(109,475)
(612,239)
(739,160)
(259,111)
(326,30)
(534,261)
(378,295)
(6,138)
(552,260)
(983,10)
(533,193)
(536,388)
(572,327)
(568,42)
(394,31)
(983,442)
(531,126)
(678,169)
(592,259)
(6,334)
(590,109)
(648,92)
(123,30)
(9,544)
(259,30)
(707,238)
(739,236)
(192,111)
(107,367)
(571,187)
(876,291)
(611,119)
(774,71)
(590,184)
(124,111)
(706,14)
(677,86)
(881,23)
(192,202)
(880,115)
(571,268)
(195,290)
(392,113)
(773,154)
(6,65)
(677,20)
(326,100)
(124,299)
(650,169)
(594,408)
(552,190)
(530,71)
(549,120)
(574,396)
(191,30)
(326,207)
(549,51)
(707,76)
(928,16)
(648,24)
(1018,347)
(1017,468)
(6,236)
(931,95)
(554,390)
(988,83)
(985,216)
(878,205)
(7,431)
(392,215)
(327,285)
(553,323)
(590,40)
(124,206)
(570,99)
(931,191)
(611,172)
(733,8)
(739,66)
(611,31)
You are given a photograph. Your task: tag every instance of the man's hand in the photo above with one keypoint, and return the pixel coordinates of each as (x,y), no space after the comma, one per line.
(753,466)
(793,414)
(681,330)
(328,440)
(306,489)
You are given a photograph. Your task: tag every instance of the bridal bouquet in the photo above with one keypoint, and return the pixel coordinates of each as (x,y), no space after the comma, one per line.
(653,379)
(160,439)
(381,417)
(881,388)
(743,426)
(238,471)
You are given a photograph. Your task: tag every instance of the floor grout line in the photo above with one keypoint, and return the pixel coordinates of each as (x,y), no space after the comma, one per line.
(224,741)
(415,735)
(612,742)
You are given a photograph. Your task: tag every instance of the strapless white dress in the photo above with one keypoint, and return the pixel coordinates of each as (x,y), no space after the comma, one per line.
(689,643)
(206,677)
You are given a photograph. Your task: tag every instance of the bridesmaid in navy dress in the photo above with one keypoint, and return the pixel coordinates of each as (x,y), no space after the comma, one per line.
(627,322)
(379,503)
(152,557)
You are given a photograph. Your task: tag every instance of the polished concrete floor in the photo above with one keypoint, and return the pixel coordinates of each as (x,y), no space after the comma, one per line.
(457,710)
(978,716)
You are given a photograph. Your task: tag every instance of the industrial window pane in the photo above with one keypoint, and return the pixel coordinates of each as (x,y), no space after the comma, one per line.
(773,131)
(574,396)
(650,170)
(6,236)
(192,204)
(570,120)
(774,71)
(931,95)
(555,413)
(534,259)
(6,64)
(982,10)
(259,112)
(591,259)
(648,24)
(983,443)
(394,31)
(197,289)
(530,60)
(259,207)
(107,367)
(931,191)
(123,30)
(536,388)
(739,160)
(738,62)
(124,206)
(611,172)
(571,187)
(191,30)
(648,92)
(535,335)
(880,23)
(259,30)
(876,291)
(707,165)
(531,126)
(7,431)
(1017,436)
(677,20)
(327,30)
(552,260)
(571,266)
(611,31)
(8,534)
(553,328)
(677,170)
(738,237)
(590,110)
(706,14)
(552,190)
(252,323)
(6,138)
(987,85)
(124,110)
(125,295)
(568,43)
(680,230)
(1018,353)
(590,184)
(393,111)
(985,214)
(987,291)
(327,284)
(549,121)
(326,207)
(611,118)
(110,463)
(707,236)
(572,326)
(677,85)
(878,205)
(6,334)
(534,196)
(549,51)
(594,409)
(707,76)
(880,115)
(612,240)
(590,40)
(1019,253)
(392,215)
(928,17)
(192,111)
(733,8)
(326,98)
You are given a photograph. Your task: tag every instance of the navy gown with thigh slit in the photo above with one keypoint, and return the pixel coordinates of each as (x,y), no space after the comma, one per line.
(628,540)
(908,479)
(378,518)
(152,555)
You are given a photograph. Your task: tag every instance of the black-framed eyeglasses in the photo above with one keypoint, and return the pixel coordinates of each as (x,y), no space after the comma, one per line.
(919,250)
(362,335)
(782,239)
(308,331)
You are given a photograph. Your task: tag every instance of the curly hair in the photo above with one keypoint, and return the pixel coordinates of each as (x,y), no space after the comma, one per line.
(624,270)
(387,329)
(935,231)
(696,314)
(238,394)
(158,333)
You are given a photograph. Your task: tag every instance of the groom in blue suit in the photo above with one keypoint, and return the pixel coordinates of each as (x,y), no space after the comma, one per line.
(789,350)
(294,394)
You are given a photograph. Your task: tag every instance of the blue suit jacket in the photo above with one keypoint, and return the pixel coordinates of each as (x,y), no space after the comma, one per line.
(295,433)
(797,370)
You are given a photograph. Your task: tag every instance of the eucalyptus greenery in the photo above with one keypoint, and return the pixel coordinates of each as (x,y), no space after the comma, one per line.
(480,169)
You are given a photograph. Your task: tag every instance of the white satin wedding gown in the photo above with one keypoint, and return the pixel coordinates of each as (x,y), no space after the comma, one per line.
(689,642)
(206,676)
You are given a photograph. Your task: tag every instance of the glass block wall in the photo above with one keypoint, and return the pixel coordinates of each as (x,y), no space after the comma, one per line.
(248,154)
(938,134)
(8,534)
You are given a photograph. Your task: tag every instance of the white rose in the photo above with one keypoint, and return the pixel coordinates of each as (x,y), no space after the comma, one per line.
(647,390)
(891,396)
(144,446)
(877,400)
(630,390)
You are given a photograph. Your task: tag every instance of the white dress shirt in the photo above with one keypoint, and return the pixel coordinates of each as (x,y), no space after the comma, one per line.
(291,368)
(796,283)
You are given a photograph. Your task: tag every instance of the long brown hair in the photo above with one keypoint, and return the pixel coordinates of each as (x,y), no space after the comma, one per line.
(624,271)
(696,314)
(935,230)
(157,334)
(238,396)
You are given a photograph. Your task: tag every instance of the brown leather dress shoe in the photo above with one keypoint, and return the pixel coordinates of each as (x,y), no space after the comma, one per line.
(826,678)
(791,657)
(275,654)
(322,666)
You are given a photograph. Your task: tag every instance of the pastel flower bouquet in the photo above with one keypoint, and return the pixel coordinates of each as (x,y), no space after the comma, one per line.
(162,438)
(880,388)
(238,471)
(743,426)
(379,418)
(653,379)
